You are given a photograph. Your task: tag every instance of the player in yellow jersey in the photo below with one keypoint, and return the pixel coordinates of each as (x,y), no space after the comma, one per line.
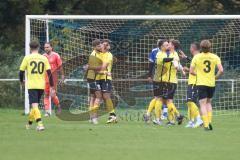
(94,65)
(192,92)
(104,80)
(203,66)
(37,66)
(170,60)
(154,72)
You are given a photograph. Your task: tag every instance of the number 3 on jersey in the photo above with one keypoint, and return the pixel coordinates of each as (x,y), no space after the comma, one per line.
(38,67)
(207,69)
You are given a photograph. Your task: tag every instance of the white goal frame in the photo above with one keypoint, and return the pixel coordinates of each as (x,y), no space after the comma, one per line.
(111,17)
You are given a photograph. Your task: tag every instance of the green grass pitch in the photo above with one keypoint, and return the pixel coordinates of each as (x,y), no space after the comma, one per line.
(123,141)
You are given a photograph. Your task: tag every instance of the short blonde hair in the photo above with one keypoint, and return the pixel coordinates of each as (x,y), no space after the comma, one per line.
(205,46)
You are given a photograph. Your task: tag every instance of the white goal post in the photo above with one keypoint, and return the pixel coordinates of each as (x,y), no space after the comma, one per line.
(153,26)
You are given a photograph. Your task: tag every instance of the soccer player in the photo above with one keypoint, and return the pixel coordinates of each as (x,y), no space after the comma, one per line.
(158,83)
(104,80)
(192,92)
(203,66)
(170,60)
(37,66)
(55,62)
(94,65)
(152,64)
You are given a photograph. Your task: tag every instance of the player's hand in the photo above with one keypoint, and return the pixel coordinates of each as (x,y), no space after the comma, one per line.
(150,79)
(52,92)
(109,74)
(183,73)
(85,67)
(181,54)
(186,69)
(62,81)
(22,83)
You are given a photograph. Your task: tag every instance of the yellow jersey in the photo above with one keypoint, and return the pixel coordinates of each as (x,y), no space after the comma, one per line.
(166,72)
(192,79)
(205,65)
(36,66)
(106,57)
(93,61)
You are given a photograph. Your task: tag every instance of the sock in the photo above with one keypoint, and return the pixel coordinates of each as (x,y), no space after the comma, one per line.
(205,121)
(31,117)
(175,111)
(151,106)
(190,117)
(39,122)
(171,116)
(46,103)
(37,113)
(158,109)
(109,105)
(195,110)
(210,117)
(94,109)
(55,100)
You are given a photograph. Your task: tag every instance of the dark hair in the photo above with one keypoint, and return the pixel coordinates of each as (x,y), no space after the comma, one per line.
(50,43)
(106,40)
(176,44)
(96,42)
(34,45)
(205,46)
(161,41)
(196,45)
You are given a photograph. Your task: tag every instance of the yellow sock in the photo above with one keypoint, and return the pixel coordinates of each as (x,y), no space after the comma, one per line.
(195,110)
(205,121)
(171,116)
(189,105)
(151,106)
(109,105)
(31,116)
(37,113)
(210,117)
(37,116)
(94,109)
(158,108)
(175,111)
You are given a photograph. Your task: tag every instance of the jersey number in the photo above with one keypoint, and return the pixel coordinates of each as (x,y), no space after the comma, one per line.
(37,67)
(207,63)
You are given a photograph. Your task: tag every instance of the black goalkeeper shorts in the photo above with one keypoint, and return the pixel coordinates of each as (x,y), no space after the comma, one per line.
(35,95)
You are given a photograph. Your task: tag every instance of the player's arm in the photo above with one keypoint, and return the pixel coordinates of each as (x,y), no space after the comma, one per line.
(182,55)
(22,69)
(177,65)
(220,68)
(60,66)
(151,59)
(192,67)
(49,73)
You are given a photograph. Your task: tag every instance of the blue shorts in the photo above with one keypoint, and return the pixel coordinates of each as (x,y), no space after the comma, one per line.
(104,85)
(192,93)
(205,92)
(35,95)
(92,85)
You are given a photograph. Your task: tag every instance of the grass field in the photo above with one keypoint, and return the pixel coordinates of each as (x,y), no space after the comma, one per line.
(124,141)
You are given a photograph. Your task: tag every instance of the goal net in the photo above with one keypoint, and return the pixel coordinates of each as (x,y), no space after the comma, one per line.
(132,40)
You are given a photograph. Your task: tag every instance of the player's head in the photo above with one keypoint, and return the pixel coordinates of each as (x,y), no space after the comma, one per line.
(163,44)
(205,46)
(194,48)
(34,45)
(174,44)
(48,47)
(97,45)
(106,45)
(159,42)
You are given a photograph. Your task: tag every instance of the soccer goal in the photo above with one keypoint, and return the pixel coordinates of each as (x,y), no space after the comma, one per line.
(133,37)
